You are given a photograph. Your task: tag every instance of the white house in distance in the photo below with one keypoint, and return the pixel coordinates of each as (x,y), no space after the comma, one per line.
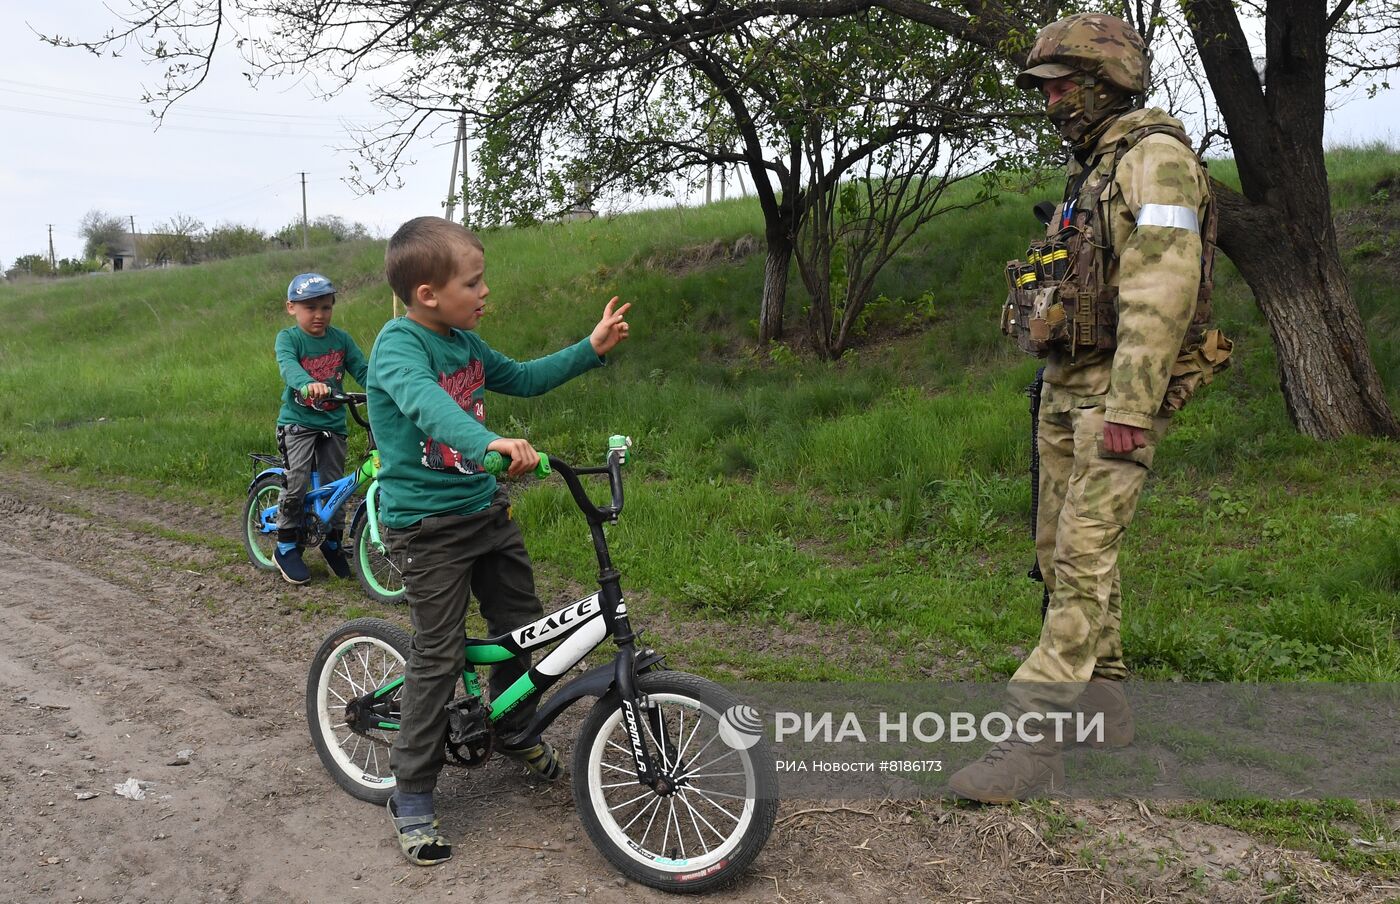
(126,255)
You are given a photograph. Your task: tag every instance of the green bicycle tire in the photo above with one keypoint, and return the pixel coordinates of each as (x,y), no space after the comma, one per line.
(266,490)
(378,576)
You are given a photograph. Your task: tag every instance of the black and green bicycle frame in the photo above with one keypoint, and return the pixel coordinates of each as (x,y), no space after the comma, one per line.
(574,631)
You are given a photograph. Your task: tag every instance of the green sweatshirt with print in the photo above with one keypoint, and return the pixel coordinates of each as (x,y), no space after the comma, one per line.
(303,359)
(428,411)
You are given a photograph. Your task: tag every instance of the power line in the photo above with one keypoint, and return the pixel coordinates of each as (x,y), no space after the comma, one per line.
(148,125)
(92,97)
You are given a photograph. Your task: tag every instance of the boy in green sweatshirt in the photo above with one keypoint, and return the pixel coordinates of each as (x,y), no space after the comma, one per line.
(313,357)
(447,524)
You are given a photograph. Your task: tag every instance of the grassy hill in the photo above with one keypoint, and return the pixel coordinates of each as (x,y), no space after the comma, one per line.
(887,492)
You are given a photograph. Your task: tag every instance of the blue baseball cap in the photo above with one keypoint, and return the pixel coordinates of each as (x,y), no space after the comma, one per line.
(308,286)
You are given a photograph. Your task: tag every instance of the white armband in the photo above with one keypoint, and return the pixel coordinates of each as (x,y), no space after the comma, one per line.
(1168,215)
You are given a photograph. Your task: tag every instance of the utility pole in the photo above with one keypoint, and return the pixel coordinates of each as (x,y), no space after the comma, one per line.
(52,265)
(466,202)
(135,252)
(458,146)
(305,241)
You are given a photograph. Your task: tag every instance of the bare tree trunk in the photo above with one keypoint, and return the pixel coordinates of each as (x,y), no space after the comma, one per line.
(776,264)
(779,224)
(1329,382)
(1279,233)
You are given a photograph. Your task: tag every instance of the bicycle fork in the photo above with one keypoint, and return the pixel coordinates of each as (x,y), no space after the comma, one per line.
(634,708)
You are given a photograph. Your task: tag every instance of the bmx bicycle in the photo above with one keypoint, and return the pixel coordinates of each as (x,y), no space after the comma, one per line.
(673,784)
(378,576)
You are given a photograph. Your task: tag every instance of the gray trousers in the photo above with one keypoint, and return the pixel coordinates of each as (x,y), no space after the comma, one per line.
(444,560)
(305,450)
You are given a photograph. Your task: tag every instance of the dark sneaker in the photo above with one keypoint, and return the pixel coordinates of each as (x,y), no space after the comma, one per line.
(291,565)
(1104,695)
(335,558)
(539,758)
(1010,771)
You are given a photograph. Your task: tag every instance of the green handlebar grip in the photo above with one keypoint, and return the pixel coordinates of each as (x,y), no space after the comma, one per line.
(495,464)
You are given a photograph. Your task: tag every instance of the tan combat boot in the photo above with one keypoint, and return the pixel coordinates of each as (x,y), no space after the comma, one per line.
(1012,770)
(1105,695)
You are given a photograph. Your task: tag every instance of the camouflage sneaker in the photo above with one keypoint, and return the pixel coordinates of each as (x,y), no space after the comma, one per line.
(419,841)
(1010,771)
(1105,695)
(539,759)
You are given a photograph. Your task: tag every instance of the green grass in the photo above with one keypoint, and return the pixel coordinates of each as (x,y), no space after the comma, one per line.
(1356,835)
(886,491)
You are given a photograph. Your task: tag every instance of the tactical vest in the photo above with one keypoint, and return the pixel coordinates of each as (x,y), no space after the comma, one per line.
(1057,297)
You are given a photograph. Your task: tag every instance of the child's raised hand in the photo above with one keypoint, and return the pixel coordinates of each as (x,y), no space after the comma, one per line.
(611,330)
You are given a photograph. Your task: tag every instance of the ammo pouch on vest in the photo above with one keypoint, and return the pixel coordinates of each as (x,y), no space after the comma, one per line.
(1058,297)
(1047,306)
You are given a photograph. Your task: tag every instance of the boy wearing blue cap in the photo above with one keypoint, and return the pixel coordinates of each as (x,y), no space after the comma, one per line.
(313,357)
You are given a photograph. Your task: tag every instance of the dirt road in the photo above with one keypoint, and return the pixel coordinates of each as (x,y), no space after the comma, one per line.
(127,638)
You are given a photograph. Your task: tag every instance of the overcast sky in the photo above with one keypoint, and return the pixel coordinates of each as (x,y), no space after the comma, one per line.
(78,138)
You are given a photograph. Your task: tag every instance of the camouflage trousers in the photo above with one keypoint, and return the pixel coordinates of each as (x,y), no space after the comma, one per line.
(1087,500)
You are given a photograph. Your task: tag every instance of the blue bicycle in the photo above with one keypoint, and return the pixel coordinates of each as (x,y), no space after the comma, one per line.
(369,558)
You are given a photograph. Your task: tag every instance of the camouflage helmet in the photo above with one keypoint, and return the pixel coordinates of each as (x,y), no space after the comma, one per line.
(1104,47)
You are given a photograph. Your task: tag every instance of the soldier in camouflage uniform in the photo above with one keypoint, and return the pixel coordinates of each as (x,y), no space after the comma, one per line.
(1140,198)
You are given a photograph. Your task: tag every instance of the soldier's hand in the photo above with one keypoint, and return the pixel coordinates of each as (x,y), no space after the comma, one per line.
(1122,438)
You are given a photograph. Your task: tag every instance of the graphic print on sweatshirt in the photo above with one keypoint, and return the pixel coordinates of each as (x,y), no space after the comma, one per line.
(462,386)
(323,369)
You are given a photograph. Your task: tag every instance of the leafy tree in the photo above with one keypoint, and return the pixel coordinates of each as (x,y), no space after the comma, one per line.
(73,267)
(618,98)
(104,234)
(175,241)
(324,230)
(881,150)
(31,265)
(232,240)
(1272,104)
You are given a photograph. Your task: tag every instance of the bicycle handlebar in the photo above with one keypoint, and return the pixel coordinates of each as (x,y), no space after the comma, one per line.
(351,399)
(596,514)
(495,464)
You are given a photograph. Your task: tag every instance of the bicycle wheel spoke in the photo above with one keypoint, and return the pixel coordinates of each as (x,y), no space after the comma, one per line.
(619,769)
(680,755)
(349,679)
(722,756)
(706,795)
(680,836)
(653,806)
(666,836)
(701,752)
(660,747)
(642,842)
(712,774)
(633,800)
(696,821)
